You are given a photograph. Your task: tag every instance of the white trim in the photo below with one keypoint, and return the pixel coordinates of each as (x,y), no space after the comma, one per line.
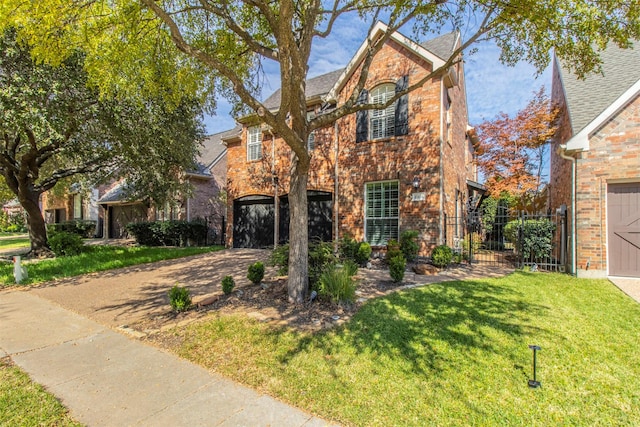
(580,141)
(376,32)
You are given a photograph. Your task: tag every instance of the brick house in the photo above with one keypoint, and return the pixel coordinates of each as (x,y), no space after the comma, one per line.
(111,209)
(373,174)
(595,164)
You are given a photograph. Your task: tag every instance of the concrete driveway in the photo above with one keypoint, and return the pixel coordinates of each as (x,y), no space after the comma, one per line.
(120,297)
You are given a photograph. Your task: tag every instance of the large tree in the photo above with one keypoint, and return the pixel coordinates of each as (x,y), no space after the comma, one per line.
(513,150)
(223,45)
(54,127)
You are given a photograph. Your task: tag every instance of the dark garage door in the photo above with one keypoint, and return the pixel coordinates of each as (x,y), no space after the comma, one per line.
(253,222)
(320,210)
(121,215)
(623,218)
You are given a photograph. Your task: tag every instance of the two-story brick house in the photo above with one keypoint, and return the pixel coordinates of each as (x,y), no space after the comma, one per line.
(373,174)
(595,164)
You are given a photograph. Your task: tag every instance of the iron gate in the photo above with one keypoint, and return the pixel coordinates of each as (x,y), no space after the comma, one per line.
(538,241)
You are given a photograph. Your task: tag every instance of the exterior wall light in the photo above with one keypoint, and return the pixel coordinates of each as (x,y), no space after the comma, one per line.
(416,182)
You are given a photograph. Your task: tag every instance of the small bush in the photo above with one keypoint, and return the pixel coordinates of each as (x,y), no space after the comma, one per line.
(83,228)
(350,249)
(532,238)
(228,284)
(179,299)
(256,272)
(280,258)
(441,256)
(320,258)
(397,265)
(409,244)
(337,285)
(393,250)
(66,244)
(363,254)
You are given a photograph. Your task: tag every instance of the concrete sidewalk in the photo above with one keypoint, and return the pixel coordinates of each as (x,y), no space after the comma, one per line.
(107,379)
(628,285)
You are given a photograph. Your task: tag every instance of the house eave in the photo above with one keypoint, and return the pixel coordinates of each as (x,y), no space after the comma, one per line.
(580,141)
(378,30)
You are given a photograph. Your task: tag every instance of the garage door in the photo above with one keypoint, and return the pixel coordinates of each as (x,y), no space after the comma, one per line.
(253,222)
(623,218)
(120,216)
(320,209)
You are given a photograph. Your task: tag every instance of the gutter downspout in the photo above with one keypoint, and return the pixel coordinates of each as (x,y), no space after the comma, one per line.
(441,220)
(336,227)
(574,245)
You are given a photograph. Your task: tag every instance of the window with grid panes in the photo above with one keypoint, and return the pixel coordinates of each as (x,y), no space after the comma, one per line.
(381,212)
(254,143)
(382,122)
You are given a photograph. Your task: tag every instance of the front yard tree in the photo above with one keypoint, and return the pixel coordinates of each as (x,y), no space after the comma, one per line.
(512,150)
(224,44)
(54,127)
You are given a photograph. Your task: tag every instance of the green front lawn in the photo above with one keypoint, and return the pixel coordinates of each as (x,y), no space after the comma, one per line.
(16,242)
(449,354)
(24,403)
(96,258)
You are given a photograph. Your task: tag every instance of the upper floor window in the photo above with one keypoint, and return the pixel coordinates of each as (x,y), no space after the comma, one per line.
(311,141)
(387,122)
(382,122)
(254,143)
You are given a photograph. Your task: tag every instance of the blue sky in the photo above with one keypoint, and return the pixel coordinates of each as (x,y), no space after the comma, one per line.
(491,86)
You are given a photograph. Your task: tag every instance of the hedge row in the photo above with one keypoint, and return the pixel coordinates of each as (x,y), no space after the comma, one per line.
(169,233)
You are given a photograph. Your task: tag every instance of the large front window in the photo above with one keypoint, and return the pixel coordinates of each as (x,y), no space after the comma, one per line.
(254,143)
(381,212)
(383,121)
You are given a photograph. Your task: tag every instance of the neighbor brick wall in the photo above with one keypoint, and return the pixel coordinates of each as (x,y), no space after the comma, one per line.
(613,156)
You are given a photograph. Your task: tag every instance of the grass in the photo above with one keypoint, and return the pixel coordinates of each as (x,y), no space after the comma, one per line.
(25,403)
(96,258)
(17,242)
(449,354)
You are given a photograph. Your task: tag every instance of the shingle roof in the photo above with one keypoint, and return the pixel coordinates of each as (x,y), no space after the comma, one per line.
(316,86)
(587,98)
(213,148)
(442,46)
(119,193)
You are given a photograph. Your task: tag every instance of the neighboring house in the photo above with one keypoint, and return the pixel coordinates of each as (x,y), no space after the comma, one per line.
(373,174)
(112,209)
(595,164)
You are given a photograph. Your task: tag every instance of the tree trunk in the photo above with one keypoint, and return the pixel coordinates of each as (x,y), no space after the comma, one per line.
(35,223)
(298,235)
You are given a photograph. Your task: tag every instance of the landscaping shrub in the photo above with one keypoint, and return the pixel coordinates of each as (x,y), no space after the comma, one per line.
(280,258)
(532,238)
(397,265)
(320,256)
(66,244)
(179,299)
(337,284)
(409,244)
(256,272)
(393,250)
(168,233)
(351,249)
(228,284)
(350,266)
(83,228)
(441,256)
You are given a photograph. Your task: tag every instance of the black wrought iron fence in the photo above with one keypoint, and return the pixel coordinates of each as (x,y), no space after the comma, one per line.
(537,241)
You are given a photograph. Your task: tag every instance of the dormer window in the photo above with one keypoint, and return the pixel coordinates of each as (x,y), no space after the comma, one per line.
(254,143)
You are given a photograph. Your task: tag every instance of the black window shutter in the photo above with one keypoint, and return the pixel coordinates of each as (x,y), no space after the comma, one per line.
(362,118)
(402,107)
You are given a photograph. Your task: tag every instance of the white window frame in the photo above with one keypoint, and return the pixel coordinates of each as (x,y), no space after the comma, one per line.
(77,206)
(382,123)
(381,212)
(254,143)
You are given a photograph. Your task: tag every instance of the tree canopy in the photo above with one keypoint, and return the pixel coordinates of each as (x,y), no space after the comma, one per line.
(54,127)
(513,151)
(217,48)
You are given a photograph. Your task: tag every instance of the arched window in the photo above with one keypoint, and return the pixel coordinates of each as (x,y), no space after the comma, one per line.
(382,122)
(387,122)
